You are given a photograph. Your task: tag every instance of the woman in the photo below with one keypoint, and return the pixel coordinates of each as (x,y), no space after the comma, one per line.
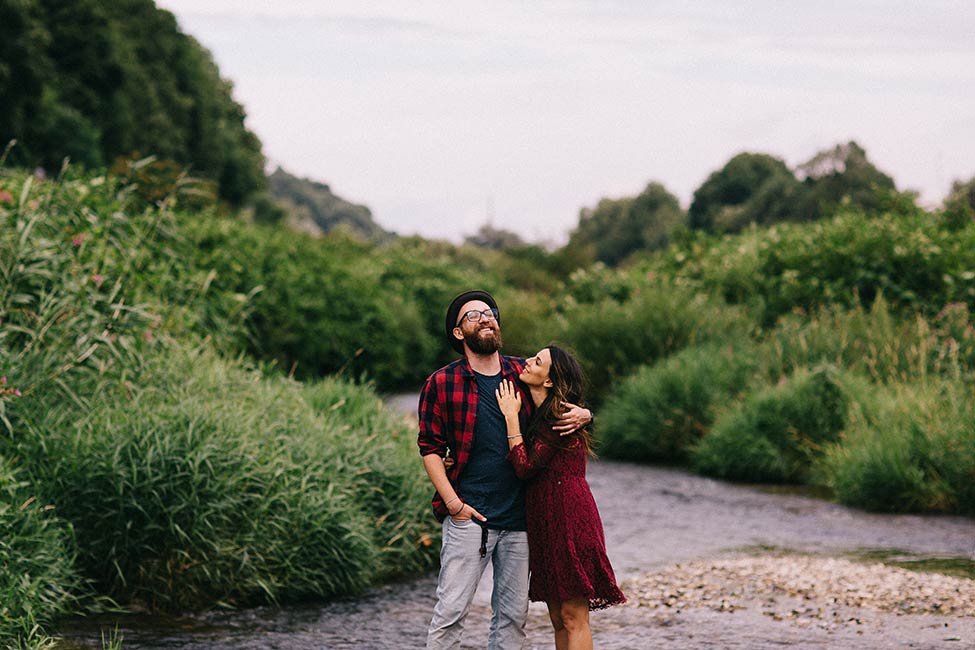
(566,548)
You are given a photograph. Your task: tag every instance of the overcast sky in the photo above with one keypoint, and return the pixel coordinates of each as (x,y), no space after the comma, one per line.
(442,115)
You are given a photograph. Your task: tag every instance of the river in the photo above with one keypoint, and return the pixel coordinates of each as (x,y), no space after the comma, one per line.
(654,517)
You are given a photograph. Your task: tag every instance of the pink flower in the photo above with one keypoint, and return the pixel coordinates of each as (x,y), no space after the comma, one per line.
(17,392)
(33,205)
(98,279)
(6,197)
(78,240)
(3,380)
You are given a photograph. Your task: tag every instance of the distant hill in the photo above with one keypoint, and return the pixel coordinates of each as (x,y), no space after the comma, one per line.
(312,207)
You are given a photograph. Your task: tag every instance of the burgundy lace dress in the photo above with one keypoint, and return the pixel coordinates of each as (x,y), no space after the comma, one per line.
(566,546)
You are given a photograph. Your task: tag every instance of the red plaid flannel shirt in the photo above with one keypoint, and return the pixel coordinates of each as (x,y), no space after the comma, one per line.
(447,410)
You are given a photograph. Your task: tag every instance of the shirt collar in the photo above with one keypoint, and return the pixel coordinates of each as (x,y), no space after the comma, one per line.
(509,369)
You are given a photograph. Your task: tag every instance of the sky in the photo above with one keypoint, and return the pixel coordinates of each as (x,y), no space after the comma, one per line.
(444,116)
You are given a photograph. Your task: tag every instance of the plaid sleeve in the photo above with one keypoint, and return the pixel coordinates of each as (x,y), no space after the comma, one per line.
(431,438)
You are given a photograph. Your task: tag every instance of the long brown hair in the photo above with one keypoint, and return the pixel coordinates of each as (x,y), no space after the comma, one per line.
(568,385)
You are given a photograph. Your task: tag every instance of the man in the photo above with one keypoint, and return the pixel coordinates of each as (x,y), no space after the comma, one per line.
(478,498)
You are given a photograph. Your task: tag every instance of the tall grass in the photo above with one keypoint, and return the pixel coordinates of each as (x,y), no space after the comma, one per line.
(381,447)
(215,484)
(919,454)
(37,571)
(887,347)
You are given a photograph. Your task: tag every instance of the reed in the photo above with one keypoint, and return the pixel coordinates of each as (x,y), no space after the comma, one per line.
(37,572)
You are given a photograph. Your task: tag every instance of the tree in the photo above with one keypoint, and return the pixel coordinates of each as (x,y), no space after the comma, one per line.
(95,81)
(311,206)
(616,228)
(751,187)
(497,239)
(959,206)
(843,176)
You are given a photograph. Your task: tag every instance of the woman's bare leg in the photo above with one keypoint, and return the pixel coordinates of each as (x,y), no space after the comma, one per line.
(561,634)
(575,619)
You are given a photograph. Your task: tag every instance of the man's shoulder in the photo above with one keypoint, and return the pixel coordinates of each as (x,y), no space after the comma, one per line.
(452,369)
(514,363)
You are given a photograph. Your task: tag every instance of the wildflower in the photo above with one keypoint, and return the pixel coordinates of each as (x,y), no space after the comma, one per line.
(33,204)
(3,380)
(6,197)
(98,279)
(78,240)
(9,391)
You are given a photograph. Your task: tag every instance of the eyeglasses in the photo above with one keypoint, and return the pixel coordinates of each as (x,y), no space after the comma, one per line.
(475,315)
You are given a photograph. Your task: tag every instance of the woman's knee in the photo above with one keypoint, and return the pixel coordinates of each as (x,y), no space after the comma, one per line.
(574,615)
(555,615)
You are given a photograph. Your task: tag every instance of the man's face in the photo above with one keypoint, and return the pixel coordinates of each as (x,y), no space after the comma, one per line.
(482,334)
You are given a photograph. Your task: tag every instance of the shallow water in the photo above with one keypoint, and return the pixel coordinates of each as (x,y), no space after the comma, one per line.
(653,517)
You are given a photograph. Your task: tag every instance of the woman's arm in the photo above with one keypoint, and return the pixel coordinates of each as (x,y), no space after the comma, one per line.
(527,461)
(510,403)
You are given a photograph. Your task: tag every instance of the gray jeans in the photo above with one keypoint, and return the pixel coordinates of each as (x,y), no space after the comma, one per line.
(461,566)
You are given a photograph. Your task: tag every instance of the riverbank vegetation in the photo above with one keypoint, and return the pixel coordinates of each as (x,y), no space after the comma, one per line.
(189,403)
(144,458)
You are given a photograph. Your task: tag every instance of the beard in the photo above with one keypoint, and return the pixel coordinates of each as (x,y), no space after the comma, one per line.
(483,343)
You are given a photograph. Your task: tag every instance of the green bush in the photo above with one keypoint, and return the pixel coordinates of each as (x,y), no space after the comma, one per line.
(316,306)
(909,258)
(36,561)
(778,432)
(612,338)
(661,411)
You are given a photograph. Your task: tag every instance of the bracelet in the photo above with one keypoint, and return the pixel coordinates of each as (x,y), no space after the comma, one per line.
(513,437)
(453,514)
(451,501)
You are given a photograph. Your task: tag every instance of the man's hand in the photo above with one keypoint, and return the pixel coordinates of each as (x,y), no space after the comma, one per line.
(573,418)
(467,512)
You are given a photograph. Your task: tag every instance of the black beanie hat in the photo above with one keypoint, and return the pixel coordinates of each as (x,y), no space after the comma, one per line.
(453,312)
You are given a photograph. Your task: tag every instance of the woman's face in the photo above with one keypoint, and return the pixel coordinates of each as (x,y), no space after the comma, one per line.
(537,368)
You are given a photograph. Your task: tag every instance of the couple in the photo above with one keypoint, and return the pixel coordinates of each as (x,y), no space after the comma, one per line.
(512,490)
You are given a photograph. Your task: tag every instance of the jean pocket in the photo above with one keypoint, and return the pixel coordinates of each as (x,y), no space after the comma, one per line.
(465,523)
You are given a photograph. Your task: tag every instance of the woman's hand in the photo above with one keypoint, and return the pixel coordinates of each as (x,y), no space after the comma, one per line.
(508,399)
(572,419)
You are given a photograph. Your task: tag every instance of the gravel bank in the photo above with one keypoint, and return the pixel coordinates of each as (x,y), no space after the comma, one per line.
(796,601)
